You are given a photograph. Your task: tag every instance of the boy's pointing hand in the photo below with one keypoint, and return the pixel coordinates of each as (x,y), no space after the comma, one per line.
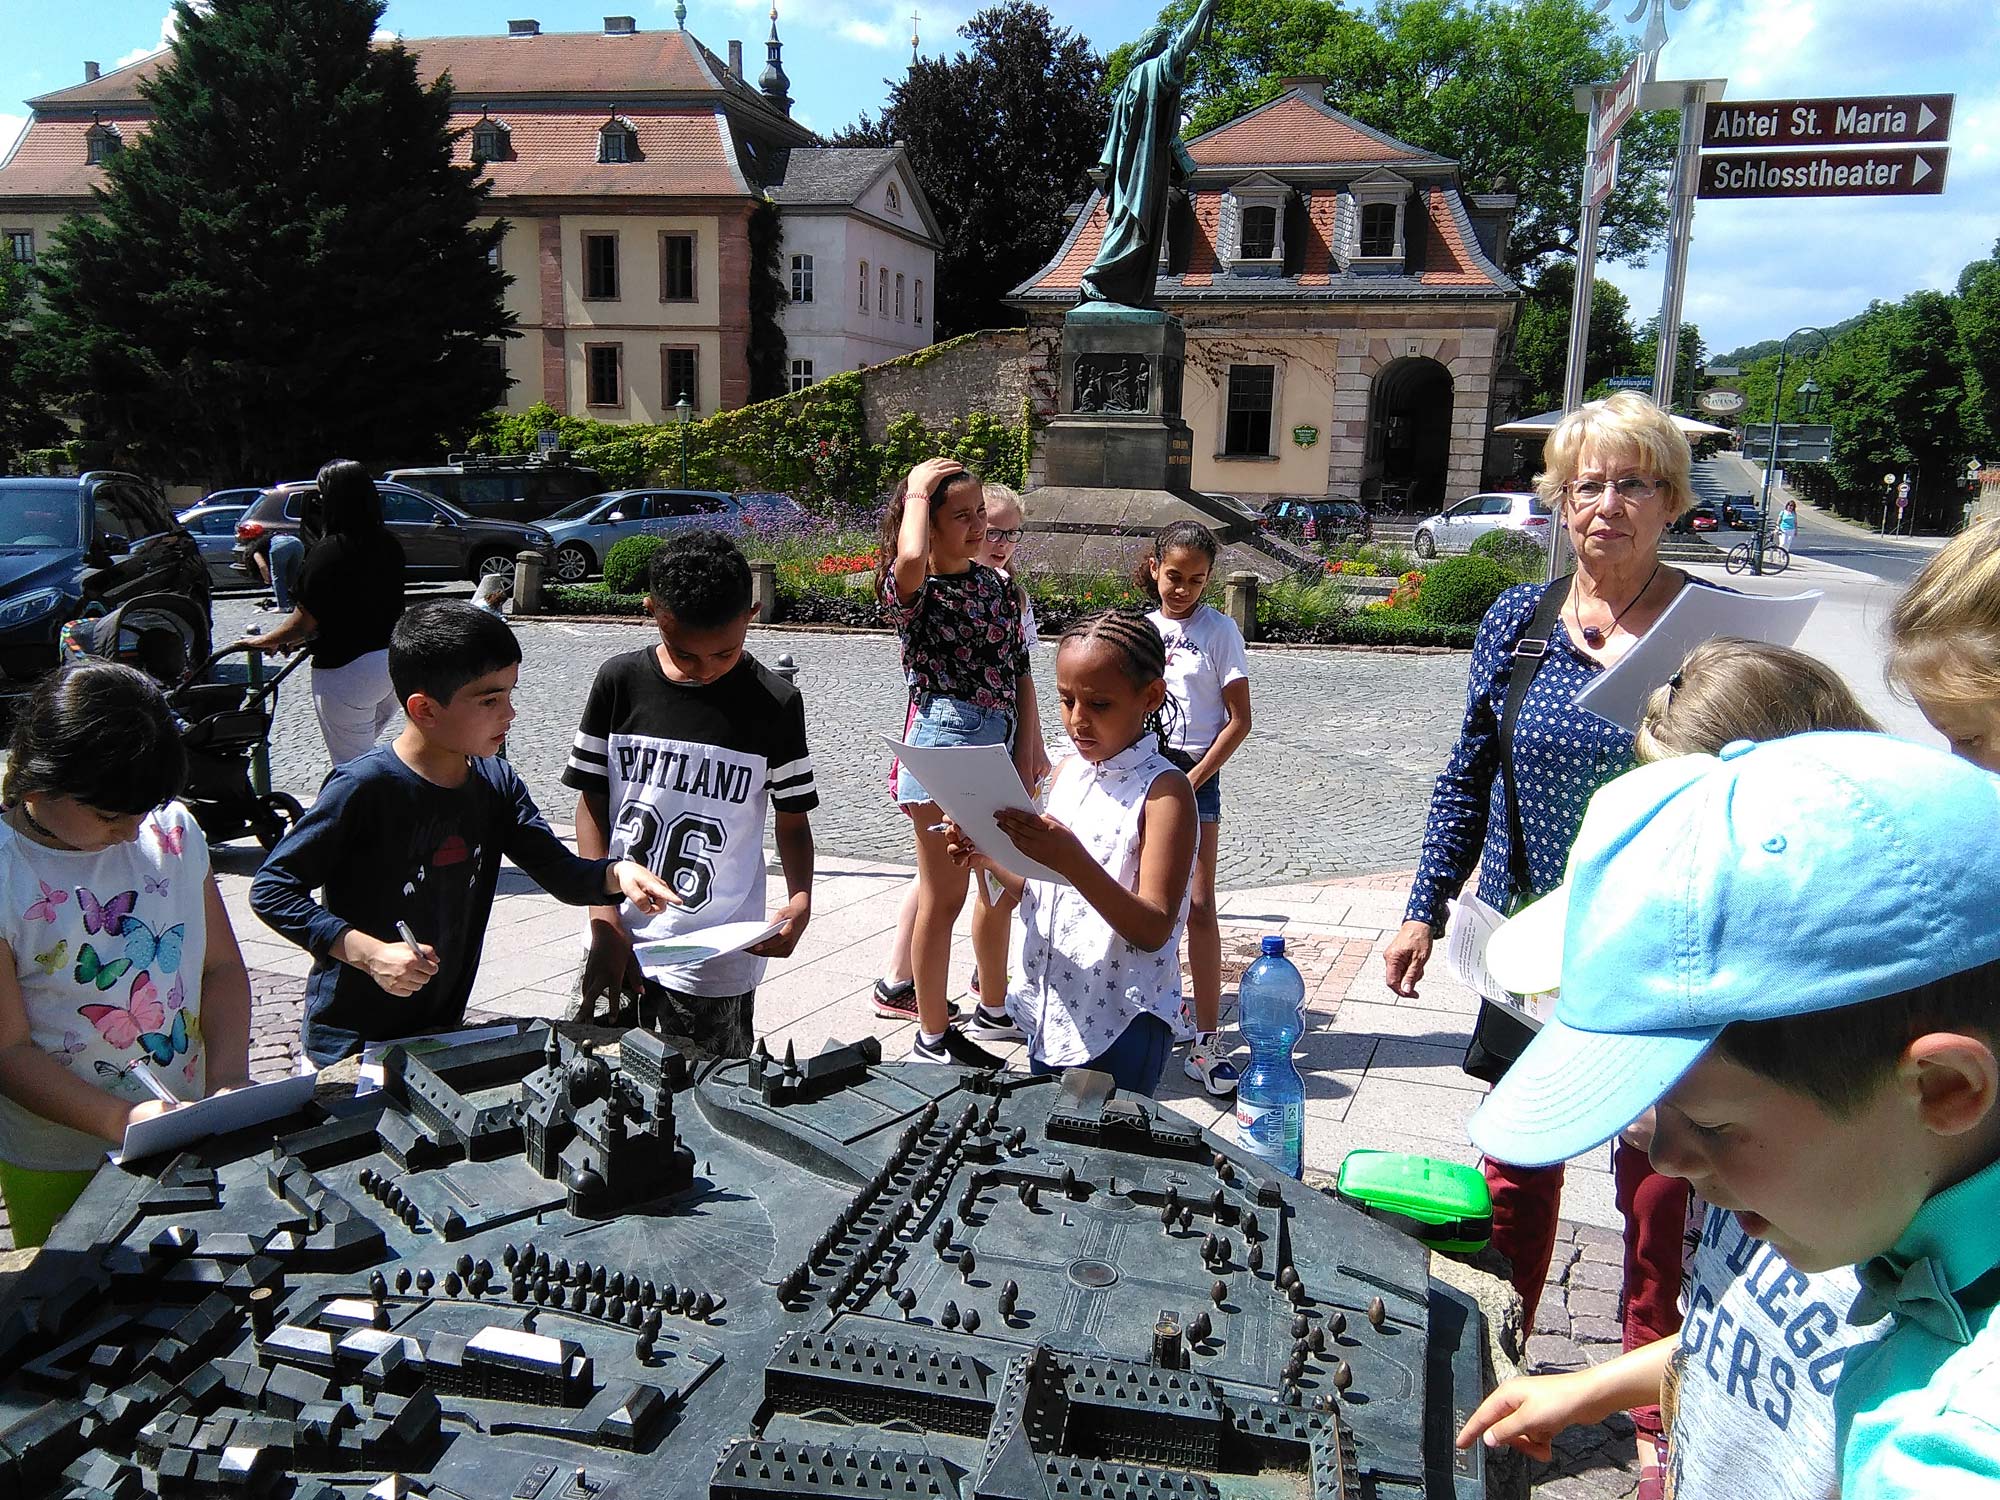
(643,888)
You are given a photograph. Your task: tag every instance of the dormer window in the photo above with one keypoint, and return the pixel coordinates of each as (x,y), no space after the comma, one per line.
(1259,238)
(1253,229)
(102,143)
(1378,229)
(491,141)
(1373,211)
(893,200)
(618,141)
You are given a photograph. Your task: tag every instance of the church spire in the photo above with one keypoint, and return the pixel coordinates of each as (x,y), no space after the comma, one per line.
(913,38)
(776,86)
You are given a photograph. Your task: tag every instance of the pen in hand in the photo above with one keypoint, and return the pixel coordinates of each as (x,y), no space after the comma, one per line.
(403,932)
(153,1085)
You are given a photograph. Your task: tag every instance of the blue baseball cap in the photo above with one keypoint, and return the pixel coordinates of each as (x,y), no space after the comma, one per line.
(1775,879)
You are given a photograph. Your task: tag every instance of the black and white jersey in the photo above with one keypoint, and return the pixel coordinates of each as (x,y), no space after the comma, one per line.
(687,773)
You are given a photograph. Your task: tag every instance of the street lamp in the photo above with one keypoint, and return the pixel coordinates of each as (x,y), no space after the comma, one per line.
(1808,394)
(1771,460)
(685,408)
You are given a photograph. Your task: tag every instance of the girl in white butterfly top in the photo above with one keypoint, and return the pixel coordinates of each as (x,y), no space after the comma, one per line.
(1097,978)
(115,948)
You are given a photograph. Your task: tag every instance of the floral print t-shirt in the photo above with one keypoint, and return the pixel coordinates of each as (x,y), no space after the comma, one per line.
(961,636)
(108,950)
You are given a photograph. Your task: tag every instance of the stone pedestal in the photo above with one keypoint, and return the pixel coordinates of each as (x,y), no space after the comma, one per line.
(1117,455)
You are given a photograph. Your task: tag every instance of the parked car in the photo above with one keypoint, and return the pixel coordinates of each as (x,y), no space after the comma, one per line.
(1699,516)
(96,538)
(518,489)
(1328,520)
(584,532)
(439,540)
(1457,527)
(1740,512)
(212,524)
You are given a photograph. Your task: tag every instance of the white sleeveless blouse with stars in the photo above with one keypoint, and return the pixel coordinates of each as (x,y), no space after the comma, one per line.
(1078,984)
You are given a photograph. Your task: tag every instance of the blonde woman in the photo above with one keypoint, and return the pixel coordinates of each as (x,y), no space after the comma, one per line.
(1509,801)
(1944,643)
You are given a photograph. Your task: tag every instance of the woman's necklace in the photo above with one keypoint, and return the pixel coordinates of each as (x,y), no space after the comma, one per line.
(1592,636)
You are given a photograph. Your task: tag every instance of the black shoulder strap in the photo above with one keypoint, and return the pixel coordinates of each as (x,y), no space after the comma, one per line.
(1529,654)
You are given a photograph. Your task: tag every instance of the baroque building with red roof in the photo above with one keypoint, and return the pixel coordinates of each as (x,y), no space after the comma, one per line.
(1346,312)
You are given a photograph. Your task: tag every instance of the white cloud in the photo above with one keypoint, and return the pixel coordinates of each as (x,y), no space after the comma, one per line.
(169,28)
(11,127)
(868,33)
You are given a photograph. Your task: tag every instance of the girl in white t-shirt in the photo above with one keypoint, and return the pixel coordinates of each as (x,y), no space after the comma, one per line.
(115,950)
(1097,980)
(1208,675)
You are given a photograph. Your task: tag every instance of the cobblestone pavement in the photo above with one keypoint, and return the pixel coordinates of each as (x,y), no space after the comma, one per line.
(1334,779)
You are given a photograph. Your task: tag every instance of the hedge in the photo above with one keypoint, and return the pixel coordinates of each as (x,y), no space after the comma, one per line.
(1524,558)
(1459,590)
(626,564)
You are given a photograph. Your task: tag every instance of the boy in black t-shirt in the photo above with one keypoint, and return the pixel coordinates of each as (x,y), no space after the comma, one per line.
(680,747)
(411,835)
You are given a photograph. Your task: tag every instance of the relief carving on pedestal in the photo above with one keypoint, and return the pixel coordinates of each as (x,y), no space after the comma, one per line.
(1112,383)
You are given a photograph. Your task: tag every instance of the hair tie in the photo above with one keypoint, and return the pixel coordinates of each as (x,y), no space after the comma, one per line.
(1673,683)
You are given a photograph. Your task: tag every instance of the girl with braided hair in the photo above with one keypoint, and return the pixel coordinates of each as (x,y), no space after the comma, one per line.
(1098,981)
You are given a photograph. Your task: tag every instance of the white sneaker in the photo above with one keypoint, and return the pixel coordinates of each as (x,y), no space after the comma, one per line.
(984,1025)
(1215,1073)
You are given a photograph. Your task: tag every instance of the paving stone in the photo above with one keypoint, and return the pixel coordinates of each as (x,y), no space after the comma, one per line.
(1548,1353)
(1595,1330)
(1584,1303)
(1596,1275)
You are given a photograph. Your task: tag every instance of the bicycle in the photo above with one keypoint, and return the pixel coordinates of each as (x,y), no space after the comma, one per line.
(1776,558)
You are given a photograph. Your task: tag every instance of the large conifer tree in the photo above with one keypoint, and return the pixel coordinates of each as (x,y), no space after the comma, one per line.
(284,268)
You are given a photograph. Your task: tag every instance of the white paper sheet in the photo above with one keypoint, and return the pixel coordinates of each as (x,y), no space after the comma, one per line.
(1698,614)
(972,783)
(369,1078)
(704,943)
(1472,925)
(214,1116)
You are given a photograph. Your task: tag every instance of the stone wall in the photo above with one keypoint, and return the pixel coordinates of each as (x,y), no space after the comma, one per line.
(986,372)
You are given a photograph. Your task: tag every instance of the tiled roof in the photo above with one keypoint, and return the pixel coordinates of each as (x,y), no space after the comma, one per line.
(642,64)
(1296,129)
(1444,258)
(832,174)
(683,152)
(52,158)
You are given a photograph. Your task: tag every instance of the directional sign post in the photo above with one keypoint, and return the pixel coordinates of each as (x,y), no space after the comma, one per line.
(1916,172)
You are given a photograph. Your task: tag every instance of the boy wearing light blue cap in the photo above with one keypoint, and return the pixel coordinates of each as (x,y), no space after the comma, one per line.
(1792,954)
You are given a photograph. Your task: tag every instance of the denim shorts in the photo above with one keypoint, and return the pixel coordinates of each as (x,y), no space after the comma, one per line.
(1208,800)
(949,721)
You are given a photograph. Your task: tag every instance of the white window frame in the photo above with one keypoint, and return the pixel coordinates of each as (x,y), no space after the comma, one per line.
(882,291)
(917,308)
(1380,187)
(899,296)
(864,286)
(19,240)
(802,374)
(1261,191)
(802,278)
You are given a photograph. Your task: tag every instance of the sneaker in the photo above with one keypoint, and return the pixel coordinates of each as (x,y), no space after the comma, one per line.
(899,1001)
(987,1026)
(1214,1073)
(953,1050)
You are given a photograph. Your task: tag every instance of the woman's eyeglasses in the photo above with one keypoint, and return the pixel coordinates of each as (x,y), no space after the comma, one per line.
(1003,534)
(1634,488)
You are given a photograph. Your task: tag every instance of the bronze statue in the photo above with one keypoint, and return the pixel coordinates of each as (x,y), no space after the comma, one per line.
(1142,159)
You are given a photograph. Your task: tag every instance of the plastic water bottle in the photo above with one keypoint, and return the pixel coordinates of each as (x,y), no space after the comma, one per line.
(1270,1096)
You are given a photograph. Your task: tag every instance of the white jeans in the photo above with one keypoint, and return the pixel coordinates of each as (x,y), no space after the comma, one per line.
(354,704)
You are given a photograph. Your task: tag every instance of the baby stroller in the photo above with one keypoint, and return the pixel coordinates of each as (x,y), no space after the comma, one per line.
(222,723)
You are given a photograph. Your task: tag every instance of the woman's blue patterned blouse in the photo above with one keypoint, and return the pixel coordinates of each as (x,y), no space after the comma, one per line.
(1562,755)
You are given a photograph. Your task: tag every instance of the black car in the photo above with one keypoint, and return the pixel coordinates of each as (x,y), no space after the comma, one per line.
(1327,520)
(517,489)
(439,540)
(97,538)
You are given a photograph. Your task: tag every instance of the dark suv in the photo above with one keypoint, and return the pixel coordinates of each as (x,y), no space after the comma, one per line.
(1331,520)
(439,540)
(95,538)
(506,489)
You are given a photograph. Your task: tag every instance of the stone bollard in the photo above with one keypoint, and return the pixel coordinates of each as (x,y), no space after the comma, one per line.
(1239,602)
(528,583)
(763,590)
(787,667)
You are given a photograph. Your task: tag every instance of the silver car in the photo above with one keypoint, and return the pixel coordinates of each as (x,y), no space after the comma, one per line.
(1457,527)
(585,531)
(212,524)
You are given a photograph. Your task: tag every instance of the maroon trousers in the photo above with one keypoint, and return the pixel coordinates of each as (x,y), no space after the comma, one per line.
(1526,1204)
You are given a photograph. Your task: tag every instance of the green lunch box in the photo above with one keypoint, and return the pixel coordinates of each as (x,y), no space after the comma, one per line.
(1444,1205)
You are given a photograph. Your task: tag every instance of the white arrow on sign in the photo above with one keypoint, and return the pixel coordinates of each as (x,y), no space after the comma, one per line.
(1924,117)
(1919,172)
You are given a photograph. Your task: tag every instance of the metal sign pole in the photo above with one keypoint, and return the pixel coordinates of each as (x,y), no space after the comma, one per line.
(1680,232)
(1579,318)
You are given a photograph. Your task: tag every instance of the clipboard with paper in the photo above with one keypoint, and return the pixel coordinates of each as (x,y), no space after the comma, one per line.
(972,783)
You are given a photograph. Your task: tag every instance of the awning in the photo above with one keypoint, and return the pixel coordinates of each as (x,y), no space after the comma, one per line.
(1541,426)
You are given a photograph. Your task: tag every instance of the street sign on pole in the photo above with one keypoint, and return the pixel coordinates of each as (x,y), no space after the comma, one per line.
(1622,99)
(1884,120)
(1915,172)
(1798,443)
(1631,383)
(1601,175)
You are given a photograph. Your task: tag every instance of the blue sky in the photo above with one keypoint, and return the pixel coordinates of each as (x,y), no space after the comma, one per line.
(1757,270)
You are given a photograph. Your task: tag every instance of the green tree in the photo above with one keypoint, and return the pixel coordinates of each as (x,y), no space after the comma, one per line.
(25,422)
(1690,358)
(1485,82)
(1978,316)
(769,370)
(1541,336)
(284,268)
(1002,138)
